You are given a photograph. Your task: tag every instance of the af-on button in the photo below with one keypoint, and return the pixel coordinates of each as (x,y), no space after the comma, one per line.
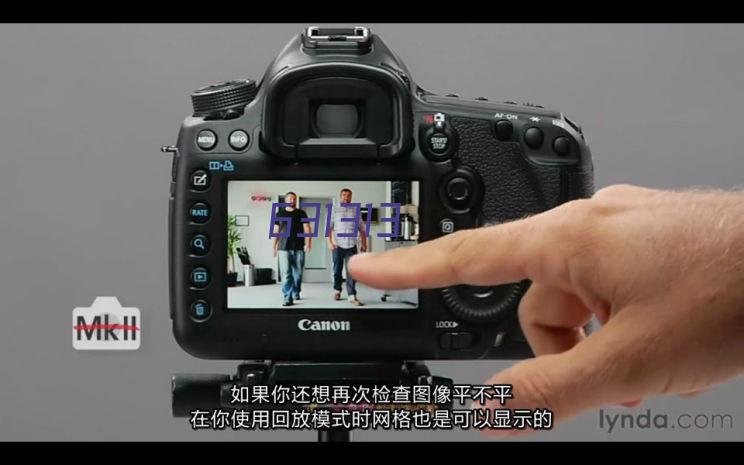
(503,129)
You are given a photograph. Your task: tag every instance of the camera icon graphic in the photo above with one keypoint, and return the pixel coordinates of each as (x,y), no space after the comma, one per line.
(106,325)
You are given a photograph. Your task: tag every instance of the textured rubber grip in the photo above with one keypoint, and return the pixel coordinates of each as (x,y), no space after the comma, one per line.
(513,187)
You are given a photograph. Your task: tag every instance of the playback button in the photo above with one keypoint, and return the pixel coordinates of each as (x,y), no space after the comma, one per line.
(200,277)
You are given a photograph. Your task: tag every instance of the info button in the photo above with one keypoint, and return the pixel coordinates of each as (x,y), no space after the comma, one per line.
(239,140)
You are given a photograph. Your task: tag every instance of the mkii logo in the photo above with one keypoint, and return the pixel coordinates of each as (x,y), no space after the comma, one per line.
(106,325)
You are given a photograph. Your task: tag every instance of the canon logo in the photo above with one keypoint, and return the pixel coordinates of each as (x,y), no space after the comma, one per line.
(310,325)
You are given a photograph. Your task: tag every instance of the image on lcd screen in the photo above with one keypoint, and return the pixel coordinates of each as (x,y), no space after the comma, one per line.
(291,241)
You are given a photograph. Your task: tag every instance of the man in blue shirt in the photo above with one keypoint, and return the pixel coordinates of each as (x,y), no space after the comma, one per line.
(345,239)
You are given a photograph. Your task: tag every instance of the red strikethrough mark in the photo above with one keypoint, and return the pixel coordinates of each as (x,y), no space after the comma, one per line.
(105,327)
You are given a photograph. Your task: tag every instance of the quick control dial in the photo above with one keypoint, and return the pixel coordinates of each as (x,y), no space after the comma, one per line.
(483,304)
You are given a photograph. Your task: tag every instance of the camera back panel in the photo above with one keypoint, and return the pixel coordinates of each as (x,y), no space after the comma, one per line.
(473,163)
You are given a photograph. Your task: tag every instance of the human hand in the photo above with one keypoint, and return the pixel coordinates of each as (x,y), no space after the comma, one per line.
(662,271)
(332,245)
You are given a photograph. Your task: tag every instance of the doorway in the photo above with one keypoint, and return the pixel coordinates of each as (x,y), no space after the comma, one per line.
(318,261)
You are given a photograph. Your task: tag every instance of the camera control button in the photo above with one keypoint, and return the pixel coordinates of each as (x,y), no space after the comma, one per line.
(482,303)
(200,212)
(458,190)
(481,292)
(456,340)
(445,341)
(200,277)
(239,139)
(447,226)
(533,137)
(562,146)
(199,245)
(201,310)
(206,139)
(458,194)
(503,129)
(200,180)
(438,142)
(462,340)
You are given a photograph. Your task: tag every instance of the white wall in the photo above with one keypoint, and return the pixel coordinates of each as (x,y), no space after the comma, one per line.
(255,236)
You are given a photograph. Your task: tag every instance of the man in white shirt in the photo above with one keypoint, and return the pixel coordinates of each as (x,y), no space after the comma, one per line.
(345,239)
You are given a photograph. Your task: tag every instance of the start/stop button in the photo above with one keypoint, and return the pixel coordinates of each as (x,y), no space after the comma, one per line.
(439,141)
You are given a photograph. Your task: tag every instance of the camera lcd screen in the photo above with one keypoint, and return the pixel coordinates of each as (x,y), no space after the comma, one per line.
(291,241)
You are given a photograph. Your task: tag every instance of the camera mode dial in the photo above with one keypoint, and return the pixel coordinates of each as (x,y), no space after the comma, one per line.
(224,100)
(483,304)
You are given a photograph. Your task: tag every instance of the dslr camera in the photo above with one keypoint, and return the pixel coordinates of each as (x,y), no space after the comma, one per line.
(336,151)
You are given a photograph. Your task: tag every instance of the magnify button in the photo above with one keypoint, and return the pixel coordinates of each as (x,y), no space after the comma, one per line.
(199,245)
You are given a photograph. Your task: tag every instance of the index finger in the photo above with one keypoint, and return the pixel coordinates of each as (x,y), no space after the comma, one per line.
(484,256)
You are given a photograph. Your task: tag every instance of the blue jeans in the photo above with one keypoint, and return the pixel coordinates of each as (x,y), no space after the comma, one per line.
(340,261)
(291,264)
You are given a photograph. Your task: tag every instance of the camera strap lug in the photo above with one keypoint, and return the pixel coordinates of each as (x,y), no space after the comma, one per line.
(169,149)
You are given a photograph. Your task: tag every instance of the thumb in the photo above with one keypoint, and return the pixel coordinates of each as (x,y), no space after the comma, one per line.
(608,367)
